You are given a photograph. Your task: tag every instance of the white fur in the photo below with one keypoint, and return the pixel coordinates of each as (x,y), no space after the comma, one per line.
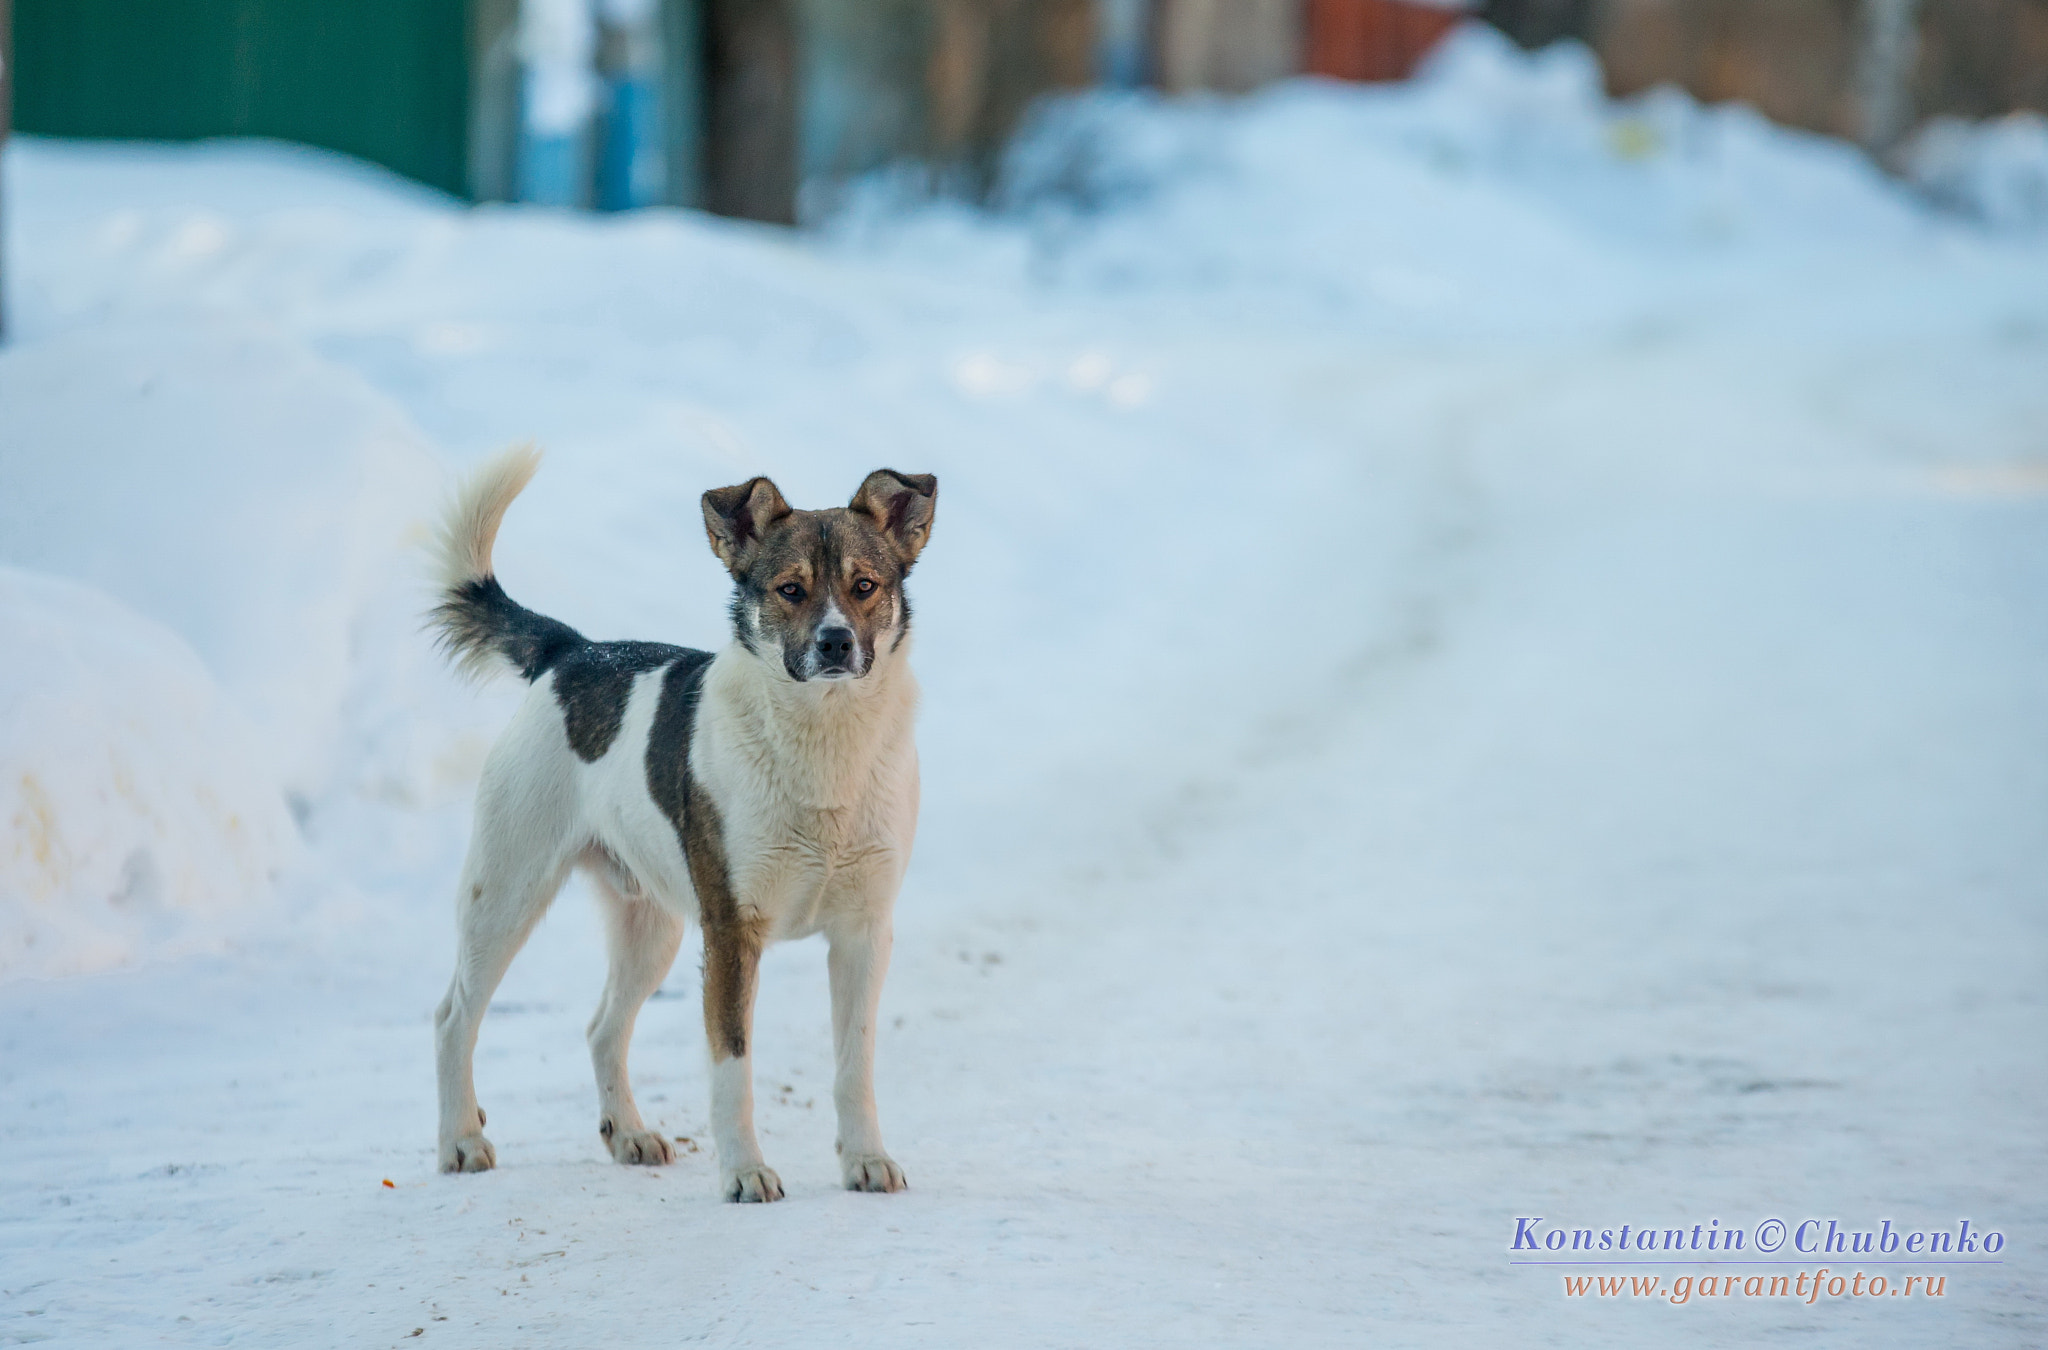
(817,783)
(817,786)
(462,546)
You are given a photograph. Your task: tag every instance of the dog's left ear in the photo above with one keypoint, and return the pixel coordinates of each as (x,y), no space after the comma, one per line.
(901,505)
(737,517)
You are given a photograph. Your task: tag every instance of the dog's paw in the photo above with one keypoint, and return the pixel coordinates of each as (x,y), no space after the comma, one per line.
(468,1153)
(752,1185)
(873,1172)
(639,1146)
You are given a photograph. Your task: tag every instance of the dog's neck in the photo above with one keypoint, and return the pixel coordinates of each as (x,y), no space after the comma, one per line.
(821,741)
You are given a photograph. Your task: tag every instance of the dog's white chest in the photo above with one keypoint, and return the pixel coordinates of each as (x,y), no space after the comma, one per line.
(814,824)
(797,866)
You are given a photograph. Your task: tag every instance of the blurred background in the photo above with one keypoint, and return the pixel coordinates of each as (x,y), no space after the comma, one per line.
(760,109)
(1482,649)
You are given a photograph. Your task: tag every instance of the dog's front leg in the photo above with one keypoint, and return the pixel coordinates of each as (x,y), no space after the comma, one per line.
(858,960)
(732,964)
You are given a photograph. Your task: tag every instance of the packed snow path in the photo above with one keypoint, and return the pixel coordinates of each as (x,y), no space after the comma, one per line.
(1681,858)
(1598,775)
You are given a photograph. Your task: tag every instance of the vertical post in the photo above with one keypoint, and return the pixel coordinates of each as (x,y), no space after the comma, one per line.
(682,102)
(1033,48)
(751,97)
(631,165)
(1123,30)
(557,47)
(1884,71)
(493,100)
(6,122)
(956,82)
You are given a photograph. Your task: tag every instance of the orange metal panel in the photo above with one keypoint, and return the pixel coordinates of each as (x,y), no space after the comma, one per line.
(1373,39)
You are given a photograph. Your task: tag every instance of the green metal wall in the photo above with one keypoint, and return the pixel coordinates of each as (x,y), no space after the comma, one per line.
(386,80)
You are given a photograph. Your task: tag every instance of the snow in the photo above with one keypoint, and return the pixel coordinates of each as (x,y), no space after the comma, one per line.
(1481,651)
(1497,194)
(1996,170)
(252,496)
(143,814)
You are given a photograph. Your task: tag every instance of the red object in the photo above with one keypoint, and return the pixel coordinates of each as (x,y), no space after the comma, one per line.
(1373,39)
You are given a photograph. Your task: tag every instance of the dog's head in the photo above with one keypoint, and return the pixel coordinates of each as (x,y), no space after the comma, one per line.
(821,591)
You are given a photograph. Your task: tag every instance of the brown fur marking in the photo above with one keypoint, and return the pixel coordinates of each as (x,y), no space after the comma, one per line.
(732,942)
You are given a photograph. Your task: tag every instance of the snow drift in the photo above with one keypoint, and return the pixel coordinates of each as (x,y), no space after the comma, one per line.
(1499,193)
(228,484)
(144,814)
(1995,171)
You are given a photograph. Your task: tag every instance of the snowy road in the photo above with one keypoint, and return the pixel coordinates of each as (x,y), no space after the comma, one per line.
(1684,860)
(1599,775)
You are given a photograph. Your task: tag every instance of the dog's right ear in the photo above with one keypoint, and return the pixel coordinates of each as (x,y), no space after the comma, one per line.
(737,517)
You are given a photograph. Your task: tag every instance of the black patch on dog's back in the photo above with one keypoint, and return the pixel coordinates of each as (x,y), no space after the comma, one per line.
(593,682)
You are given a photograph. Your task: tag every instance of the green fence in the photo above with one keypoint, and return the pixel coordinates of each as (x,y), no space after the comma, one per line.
(386,80)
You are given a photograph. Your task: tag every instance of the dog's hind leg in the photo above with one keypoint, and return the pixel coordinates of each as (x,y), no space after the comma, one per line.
(642,938)
(500,901)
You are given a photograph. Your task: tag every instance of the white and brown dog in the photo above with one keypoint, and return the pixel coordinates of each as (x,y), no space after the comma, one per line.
(771,789)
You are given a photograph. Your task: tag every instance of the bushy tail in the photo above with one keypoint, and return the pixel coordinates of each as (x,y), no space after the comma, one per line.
(480,625)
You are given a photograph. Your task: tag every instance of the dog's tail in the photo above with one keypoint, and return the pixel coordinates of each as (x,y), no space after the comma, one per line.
(479,624)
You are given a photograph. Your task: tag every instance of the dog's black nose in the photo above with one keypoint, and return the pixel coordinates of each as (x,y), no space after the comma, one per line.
(835,646)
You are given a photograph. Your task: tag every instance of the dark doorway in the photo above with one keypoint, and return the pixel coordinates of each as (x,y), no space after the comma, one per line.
(750,103)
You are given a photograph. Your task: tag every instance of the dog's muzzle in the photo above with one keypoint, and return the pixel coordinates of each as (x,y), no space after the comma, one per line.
(835,652)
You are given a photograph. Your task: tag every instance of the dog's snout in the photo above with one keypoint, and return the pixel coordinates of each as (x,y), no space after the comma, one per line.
(835,646)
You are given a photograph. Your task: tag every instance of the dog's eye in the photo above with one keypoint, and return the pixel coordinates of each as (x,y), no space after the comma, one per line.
(789,590)
(863,587)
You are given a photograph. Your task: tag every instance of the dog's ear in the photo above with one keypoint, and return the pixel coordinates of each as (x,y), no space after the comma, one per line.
(737,517)
(901,505)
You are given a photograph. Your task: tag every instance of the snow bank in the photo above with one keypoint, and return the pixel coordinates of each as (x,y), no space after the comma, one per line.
(267,506)
(109,186)
(229,484)
(1499,191)
(1996,171)
(145,815)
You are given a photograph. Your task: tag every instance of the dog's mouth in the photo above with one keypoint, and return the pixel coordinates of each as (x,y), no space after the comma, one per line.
(805,668)
(851,667)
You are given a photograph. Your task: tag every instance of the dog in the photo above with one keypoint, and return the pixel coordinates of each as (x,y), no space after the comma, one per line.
(770,789)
